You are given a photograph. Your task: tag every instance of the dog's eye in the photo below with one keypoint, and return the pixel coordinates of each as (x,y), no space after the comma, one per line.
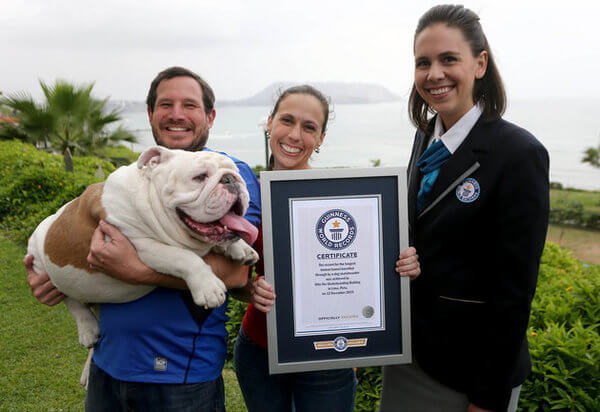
(201,178)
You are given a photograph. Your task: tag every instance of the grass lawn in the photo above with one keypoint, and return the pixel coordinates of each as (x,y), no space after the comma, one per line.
(40,356)
(590,200)
(585,244)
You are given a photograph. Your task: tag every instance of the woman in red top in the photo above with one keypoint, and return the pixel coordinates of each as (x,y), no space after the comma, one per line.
(297,127)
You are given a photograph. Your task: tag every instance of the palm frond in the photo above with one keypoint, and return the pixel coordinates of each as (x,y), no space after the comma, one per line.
(69,118)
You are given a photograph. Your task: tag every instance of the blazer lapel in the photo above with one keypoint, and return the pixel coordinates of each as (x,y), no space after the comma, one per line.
(463,162)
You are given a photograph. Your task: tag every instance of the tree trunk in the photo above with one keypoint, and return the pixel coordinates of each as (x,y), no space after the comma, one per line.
(68,160)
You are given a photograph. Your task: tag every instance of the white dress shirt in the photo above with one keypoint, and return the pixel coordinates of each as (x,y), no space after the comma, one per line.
(457,133)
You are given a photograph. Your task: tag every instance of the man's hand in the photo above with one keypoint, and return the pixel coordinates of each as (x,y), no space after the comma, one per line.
(408,263)
(113,254)
(41,286)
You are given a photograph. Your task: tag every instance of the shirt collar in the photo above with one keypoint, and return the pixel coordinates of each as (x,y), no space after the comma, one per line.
(453,137)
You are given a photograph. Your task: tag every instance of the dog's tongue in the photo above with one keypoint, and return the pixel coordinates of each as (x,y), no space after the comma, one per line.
(247,230)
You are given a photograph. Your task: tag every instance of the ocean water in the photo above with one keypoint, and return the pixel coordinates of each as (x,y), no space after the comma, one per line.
(358,134)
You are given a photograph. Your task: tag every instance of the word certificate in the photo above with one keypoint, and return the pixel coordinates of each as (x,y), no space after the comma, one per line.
(337,264)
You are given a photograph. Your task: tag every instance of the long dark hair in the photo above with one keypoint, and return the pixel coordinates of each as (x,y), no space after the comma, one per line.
(488,91)
(302,89)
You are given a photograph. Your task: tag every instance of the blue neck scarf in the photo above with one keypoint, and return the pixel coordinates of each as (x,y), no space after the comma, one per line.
(429,163)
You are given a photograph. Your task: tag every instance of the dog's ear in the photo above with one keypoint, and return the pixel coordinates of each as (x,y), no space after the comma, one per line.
(153,157)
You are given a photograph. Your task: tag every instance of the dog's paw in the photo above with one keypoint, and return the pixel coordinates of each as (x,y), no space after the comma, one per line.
(207,291)
(251,257)
(88,334)
(242,253)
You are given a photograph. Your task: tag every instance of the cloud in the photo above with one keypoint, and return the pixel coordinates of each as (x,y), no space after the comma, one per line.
(121,25)
(241,46)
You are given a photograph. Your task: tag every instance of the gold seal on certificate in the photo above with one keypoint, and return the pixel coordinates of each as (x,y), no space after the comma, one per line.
(337,264)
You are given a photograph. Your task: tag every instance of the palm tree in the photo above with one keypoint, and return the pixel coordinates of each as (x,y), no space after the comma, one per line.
(70,118)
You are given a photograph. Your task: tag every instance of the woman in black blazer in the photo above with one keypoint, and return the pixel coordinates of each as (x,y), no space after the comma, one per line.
(478,213)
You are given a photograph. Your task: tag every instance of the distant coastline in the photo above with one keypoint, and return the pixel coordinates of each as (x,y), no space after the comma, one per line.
(338,92)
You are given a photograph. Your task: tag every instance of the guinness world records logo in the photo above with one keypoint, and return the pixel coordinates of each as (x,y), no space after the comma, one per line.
(468,191)
(336,229)
(340,344)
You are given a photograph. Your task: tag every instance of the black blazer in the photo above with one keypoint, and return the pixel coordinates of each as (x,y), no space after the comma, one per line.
(479,260)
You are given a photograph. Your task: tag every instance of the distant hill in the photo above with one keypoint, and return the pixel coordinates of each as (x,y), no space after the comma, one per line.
(340,93)
(126,105)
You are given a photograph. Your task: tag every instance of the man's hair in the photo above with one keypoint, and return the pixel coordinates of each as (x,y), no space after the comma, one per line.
(208,96)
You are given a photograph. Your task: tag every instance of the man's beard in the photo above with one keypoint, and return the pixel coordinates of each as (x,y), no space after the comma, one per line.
(197,144)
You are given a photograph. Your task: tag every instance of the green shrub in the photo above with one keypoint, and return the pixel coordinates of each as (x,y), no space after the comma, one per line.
(368,393)
(565,373)
(573,213)
(120,155)
(235,312)
(564,336)
(34,184)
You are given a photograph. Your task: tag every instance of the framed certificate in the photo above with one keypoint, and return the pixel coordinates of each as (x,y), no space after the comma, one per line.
(331,240)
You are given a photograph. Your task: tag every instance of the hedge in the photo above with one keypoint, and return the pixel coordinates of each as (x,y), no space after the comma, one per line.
(34,184)
(573,213)
(564,336)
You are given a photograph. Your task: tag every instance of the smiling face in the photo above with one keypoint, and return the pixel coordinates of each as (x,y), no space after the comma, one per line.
(179,120)
(296,130)
(445,71)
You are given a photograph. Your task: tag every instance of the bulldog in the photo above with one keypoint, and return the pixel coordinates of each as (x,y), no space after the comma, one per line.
(174,206)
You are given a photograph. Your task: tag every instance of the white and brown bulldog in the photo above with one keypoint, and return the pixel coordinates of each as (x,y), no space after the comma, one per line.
(174,206)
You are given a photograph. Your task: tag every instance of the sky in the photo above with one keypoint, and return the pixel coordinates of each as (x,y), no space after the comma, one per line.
(543,48)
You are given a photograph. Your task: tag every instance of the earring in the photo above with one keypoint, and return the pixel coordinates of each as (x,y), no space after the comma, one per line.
(317,150)
(268,134)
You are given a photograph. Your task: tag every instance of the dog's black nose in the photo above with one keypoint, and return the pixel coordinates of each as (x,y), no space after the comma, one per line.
(230,184)
(227,179)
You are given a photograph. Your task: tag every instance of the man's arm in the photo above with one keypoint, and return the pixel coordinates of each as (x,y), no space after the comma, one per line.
(118,258)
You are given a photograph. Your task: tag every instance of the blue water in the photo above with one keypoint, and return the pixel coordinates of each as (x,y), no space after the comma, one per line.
(359,134)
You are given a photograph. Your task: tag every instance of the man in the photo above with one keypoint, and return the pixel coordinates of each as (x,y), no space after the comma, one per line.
(151,354)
